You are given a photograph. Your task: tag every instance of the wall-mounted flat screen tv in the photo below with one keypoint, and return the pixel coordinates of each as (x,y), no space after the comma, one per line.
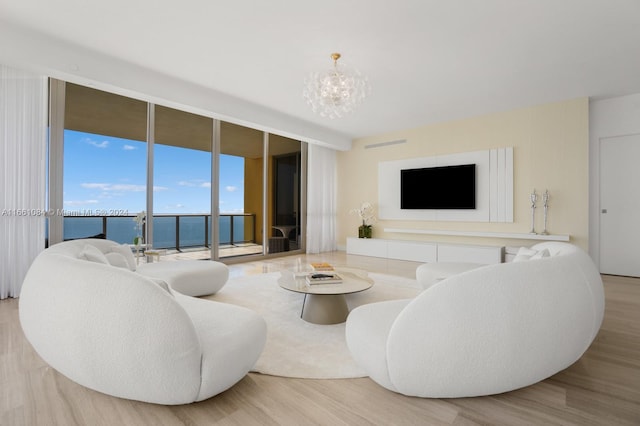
(448,187)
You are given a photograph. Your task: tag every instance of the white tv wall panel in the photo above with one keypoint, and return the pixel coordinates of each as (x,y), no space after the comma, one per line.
(501,185)
(493,183)
(508,185)
(494,177)
(472,254)
(416,252)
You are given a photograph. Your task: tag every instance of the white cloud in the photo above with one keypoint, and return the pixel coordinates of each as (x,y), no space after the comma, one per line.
(103,144)
(174,206)
(160,188)
(127,188)
(231,211)
(194,183)
(129,147)
(231,188)
(80,202)
(121,187)
(103,186)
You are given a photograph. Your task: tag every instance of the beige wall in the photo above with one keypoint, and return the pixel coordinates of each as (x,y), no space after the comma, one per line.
(551,151)
(253,195)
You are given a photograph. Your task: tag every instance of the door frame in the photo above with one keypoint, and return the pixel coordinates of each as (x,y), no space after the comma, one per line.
(594,193)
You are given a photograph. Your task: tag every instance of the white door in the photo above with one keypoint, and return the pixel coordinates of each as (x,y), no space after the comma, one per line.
(620,205)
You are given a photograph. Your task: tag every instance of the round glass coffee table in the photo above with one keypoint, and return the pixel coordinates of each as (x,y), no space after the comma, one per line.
(325,303)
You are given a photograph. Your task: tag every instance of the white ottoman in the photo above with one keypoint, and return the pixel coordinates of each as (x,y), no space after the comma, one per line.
(189,277)
(431,273)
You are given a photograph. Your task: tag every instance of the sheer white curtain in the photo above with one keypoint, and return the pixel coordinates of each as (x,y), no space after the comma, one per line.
(321,200)
(23,145)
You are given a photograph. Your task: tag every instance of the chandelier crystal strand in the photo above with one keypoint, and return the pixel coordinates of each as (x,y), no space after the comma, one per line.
(336,92)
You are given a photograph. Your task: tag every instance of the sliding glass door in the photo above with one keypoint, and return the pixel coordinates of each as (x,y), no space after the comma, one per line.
(123,156)
(182,153)
(241,190)
(284,194)
(105,157)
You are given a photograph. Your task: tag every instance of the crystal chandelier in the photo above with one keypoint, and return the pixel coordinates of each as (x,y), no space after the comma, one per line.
(336,92)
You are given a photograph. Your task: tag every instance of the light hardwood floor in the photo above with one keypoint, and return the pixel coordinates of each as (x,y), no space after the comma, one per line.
(602,388)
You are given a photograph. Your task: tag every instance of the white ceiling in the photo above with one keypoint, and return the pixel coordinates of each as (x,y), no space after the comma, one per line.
(427,60)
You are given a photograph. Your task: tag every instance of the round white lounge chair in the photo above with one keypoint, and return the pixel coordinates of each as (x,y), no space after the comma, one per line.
(489,330)
(127,335)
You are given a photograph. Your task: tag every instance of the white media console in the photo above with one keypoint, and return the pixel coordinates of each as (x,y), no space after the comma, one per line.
(426,252)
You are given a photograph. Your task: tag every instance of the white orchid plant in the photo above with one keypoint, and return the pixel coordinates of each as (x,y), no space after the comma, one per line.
(366,213)
(139,219)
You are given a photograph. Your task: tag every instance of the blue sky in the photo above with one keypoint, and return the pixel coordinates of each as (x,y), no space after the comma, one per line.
(106,173)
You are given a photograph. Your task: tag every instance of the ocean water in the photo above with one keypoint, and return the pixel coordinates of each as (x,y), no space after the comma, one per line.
(192,229)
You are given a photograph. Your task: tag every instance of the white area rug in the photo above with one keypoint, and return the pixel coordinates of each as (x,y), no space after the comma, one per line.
(296,348)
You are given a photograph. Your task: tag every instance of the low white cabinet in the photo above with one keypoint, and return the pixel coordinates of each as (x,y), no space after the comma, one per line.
(426,252)
(470,253)
(367,247)
(407,250)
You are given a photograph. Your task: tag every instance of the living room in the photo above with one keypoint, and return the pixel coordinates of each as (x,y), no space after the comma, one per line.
(552,136)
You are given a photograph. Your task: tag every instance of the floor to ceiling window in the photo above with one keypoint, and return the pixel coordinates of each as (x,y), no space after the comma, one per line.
(182,180)
(104,175)
(123,156)
(241,190)
(284,194)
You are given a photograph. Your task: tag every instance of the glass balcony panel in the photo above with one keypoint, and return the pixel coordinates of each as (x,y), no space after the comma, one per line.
(192,231)
(81,227)
(164,232)
(224,222)
(238,229)
(121,229)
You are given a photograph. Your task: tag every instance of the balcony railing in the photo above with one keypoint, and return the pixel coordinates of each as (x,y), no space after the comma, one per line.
(169,231)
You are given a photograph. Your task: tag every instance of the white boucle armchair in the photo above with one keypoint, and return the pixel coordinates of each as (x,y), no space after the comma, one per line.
(489,330)
(127,335)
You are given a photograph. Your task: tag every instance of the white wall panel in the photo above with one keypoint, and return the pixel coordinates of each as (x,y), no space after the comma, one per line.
(493,178)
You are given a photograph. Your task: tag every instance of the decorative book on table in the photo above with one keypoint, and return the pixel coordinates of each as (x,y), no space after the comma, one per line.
(321,266)
(323,278)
